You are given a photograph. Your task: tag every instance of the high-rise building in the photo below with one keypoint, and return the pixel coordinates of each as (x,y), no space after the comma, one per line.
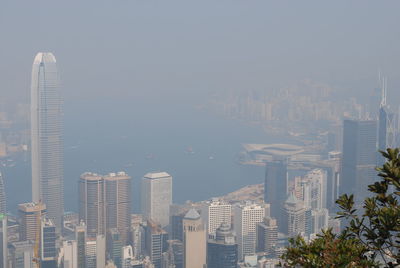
(80,237)
(214,213)
(177,213)
(114,246)
(48,248)
(386,131)
(3,241)
(222,252)
(127,257)
(105,203)
(275,188)
(70,254)
(267,236)
(138,240)
(320,220)
(174,255)
(246,217)
(118,203)
(21,254)
(96,252)
(312,189)
(295,216)
(91,203)
(194,241)
(359,158)
(156,242)
(157,197)
(46,137)
(3,206)
(333,179)
(30,215)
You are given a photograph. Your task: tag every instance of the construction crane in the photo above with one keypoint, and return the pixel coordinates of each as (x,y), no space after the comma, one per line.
(36,249)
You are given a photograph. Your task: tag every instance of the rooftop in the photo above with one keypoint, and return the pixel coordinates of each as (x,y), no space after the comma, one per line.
(192,214)
(156,175)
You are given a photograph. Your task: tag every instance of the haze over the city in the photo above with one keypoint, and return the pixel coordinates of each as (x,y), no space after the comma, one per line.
(210,96)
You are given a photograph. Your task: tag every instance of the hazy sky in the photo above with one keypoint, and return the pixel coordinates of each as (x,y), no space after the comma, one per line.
(146,48)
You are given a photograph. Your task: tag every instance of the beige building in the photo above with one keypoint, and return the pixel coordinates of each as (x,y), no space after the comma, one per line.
(194,241)
(91,203)
(216,212)
(105,203)
(118,203)
(157,197)
(30,223)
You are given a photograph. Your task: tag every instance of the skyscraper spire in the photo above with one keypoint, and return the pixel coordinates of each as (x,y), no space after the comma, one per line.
(383,90)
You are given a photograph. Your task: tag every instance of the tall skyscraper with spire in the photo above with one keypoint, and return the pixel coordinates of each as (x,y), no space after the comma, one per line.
(46,137)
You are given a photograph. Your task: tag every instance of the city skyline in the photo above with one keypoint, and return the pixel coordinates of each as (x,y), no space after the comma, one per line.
(193,135)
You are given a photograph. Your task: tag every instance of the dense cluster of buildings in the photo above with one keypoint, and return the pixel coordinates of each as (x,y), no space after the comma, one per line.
(300,190)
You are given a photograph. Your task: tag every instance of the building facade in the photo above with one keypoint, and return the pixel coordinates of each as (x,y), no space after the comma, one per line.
(246,217)
(222,251)
(194,241)
(267,236)
(214,213)
(30,215)
(157,197)
(275,188)
(46,137)
(105,203)
(359,158)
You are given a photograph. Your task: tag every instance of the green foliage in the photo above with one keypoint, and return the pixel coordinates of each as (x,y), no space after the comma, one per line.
(372,235)
(328,250)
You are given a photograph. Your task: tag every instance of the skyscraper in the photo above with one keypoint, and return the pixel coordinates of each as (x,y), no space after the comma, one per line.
(80,237)
(222,252)
(295,216)
(246,218)
(275,188)
(105,203)
(46,137)
(3,241)
(21,254)
(127,257)
(214,213)
(359,158)
(194,241)
(70,252)
(3,206)
(30,215)
(157,197)
(267,235)
(156,242)
(114,246)
(174,255)
(91,203)
(96,252)
(48,244)
(118,203)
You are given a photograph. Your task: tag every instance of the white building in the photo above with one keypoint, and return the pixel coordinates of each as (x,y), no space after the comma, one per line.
(21,254)
(246,217)
(320,218)
(46,137)
(214,213)
(96,252)
(70,252)
(313,189)
(157,197)
(127,257)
